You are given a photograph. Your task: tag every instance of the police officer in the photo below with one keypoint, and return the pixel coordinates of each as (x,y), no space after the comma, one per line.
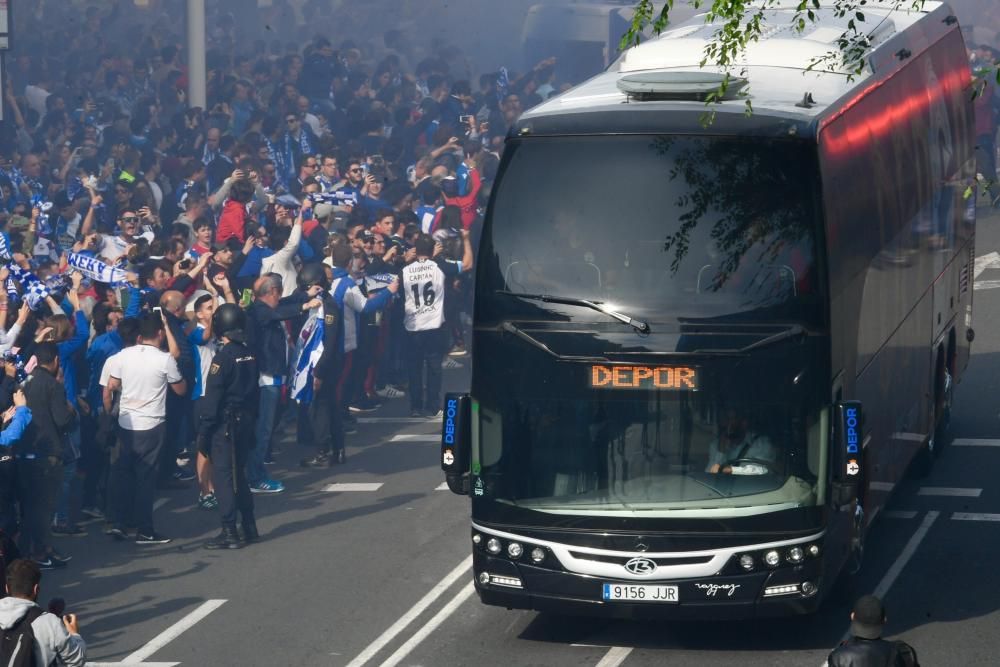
(226,425)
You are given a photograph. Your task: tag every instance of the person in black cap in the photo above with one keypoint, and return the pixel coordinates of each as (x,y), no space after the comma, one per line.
(866,648)
(226,426)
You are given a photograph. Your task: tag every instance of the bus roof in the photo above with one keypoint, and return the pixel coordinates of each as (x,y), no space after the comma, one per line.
(776,67)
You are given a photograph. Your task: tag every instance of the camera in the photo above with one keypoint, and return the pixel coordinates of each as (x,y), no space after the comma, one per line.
(465,119)
(186,263)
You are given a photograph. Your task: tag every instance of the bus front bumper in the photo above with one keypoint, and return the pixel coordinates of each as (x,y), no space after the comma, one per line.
(755,594)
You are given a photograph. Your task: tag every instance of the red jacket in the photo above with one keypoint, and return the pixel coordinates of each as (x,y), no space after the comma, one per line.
(232,222)
(467,202)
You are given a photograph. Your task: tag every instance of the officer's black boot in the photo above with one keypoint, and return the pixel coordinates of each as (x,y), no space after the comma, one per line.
(320,460)
(227,539)
(250,533)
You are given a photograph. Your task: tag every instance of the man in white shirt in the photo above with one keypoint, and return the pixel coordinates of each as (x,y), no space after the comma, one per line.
(142,374)
(738,450)
(423,298)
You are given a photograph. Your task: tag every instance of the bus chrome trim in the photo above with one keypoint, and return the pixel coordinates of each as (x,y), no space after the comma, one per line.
(664,572)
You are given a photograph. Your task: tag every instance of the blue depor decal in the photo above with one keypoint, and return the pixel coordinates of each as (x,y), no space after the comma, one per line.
(851,426)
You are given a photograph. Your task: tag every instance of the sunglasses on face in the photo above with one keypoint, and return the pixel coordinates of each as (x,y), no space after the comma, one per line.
(291,120)
(356,170)
(130,219)
(312,166)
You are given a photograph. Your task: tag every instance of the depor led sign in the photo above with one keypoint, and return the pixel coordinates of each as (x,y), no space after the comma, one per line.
(679,378)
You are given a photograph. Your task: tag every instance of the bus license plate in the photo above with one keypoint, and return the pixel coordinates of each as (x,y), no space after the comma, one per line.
(637,593)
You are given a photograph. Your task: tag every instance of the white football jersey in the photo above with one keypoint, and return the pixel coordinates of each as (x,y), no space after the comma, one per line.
(423,292)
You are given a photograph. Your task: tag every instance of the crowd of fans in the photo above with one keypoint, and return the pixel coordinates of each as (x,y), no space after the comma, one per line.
(127,217)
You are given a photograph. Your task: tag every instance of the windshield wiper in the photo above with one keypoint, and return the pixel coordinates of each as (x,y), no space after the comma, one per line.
(791,332)
(638,325)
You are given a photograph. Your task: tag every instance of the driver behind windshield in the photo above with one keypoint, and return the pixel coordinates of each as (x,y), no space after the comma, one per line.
(739,450)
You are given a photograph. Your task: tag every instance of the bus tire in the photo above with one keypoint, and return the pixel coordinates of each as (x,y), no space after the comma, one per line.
(942,426)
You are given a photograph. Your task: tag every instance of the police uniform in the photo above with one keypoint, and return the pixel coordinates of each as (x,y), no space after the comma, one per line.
(226,435)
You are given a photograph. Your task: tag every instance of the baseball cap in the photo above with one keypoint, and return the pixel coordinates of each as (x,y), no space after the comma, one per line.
(868,617)
(232,243)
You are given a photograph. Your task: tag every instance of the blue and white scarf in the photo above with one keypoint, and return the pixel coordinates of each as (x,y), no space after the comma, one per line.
(96,270)
(35,290)
(308,350)
(289,152)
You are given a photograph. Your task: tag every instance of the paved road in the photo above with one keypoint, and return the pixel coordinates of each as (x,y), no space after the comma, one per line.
(379,573)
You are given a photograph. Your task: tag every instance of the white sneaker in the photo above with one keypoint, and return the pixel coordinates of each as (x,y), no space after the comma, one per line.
(389,391)
(450,363)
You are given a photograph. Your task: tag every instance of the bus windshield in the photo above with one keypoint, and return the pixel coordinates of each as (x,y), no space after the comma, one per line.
(722,437)
(659,226)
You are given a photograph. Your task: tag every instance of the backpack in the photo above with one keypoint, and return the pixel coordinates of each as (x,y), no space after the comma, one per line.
(17,644)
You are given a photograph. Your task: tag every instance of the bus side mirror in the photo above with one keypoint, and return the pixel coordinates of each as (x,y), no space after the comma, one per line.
(456,442)
(846,455)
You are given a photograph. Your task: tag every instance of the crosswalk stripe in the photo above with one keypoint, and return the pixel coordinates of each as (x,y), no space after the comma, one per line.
(949,491)
(416,437)
(443,486)
(396,420)
(974,516)
(975,442)
(352,486)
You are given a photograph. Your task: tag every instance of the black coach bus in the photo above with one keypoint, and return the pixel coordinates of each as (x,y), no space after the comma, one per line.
(705,353)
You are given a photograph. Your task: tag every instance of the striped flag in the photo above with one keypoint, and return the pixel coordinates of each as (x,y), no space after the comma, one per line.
(308,350)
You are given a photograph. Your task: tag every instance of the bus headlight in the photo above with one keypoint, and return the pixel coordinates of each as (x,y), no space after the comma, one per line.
(493,546)
(813,550)
(795,555)
(537,555)
(772,558)
(477,538)
(746,562)
(514,550)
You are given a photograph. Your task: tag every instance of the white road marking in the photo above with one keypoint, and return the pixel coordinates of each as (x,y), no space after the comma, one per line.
(352,486)
(131,664)
(974,516)
(975,442)
(395,420)
(415,611)
(431,625)
(900,514)
(881,486)
(985,284)
(416,437)
(615,656)
(904,557)
(949,491)
(988,261)
(160,502)
(173,632)
(443,486)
